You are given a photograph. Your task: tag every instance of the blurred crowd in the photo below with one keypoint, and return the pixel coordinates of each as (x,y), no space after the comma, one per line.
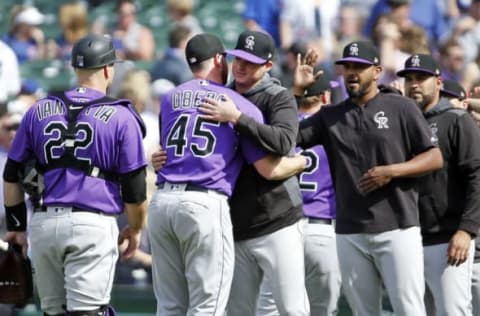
(447,29)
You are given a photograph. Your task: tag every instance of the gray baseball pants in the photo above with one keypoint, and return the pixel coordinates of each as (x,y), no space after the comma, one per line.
(394,258)
(192,251)
(322,273)
(449,286)
(278,257)
(476,288)
(74,256)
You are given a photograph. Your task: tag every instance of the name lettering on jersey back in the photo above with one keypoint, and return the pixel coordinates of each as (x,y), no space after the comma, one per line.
(186,99)
(103,113)
(49,108)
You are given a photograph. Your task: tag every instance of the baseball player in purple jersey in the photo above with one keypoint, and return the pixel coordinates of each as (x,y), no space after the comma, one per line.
(449,199)
(89,150)
(322,272)
(190,226)
(377,143)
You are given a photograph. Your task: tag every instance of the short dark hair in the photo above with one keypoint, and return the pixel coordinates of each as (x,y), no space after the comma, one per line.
(178,34)
(120,2)
(199,66)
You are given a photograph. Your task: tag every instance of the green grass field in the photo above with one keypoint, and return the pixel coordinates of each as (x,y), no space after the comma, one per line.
(130,300)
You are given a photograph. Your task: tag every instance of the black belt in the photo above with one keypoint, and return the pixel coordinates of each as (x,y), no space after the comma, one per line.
(188,187)
(43,208)
(314,220)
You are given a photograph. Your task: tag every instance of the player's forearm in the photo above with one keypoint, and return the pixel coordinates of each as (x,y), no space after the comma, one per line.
(143,258)
(421,164)
(289,166)
(279,168)
(136,214)
(278,139)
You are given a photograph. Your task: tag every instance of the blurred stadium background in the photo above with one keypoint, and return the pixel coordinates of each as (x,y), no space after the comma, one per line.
(220,17)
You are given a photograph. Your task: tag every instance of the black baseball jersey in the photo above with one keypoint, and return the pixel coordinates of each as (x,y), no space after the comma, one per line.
(388,129)
(259,206)
(450,197)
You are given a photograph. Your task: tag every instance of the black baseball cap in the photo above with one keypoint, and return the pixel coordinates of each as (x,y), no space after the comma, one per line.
(202,47)
(321,85)
(93,51)
(255,47)
(298,47)
(362,52)
(397,3)
(452,88)
(420,63)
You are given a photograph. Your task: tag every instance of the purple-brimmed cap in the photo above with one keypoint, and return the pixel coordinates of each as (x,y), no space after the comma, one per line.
(362,52)
(255,47)
(420,63)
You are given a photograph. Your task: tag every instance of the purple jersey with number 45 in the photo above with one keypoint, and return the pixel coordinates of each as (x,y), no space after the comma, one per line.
(199,151)
(108,135)
(316,183)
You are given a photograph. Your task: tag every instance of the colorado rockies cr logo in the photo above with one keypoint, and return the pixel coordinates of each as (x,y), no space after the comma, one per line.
(249,42)
(415,61)
(381,120)
(354,49)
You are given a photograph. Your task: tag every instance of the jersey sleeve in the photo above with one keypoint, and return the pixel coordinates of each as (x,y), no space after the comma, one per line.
(278,136)
(251,151)
(22,147)
(309,132)
(419,134)
(132,154)
(468,155)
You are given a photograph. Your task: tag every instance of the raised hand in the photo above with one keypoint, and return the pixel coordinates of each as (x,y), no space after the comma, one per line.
(304,74)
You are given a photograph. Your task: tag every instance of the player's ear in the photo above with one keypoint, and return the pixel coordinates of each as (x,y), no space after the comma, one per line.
(268,65)
(218,59)
(326,97)
(105,72)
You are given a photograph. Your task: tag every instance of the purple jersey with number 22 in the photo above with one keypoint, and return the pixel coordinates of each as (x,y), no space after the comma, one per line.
(202,152)
(108,135)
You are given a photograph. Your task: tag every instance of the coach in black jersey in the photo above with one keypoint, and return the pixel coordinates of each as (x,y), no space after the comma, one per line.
(376,143)
(450,197)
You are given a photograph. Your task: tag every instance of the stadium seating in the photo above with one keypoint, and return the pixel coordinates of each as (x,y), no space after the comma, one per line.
(52,74)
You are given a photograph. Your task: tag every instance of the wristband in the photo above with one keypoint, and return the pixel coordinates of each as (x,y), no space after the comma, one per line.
(16,217)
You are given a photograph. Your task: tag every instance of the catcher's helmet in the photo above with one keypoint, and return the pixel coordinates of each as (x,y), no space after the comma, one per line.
(93,51)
